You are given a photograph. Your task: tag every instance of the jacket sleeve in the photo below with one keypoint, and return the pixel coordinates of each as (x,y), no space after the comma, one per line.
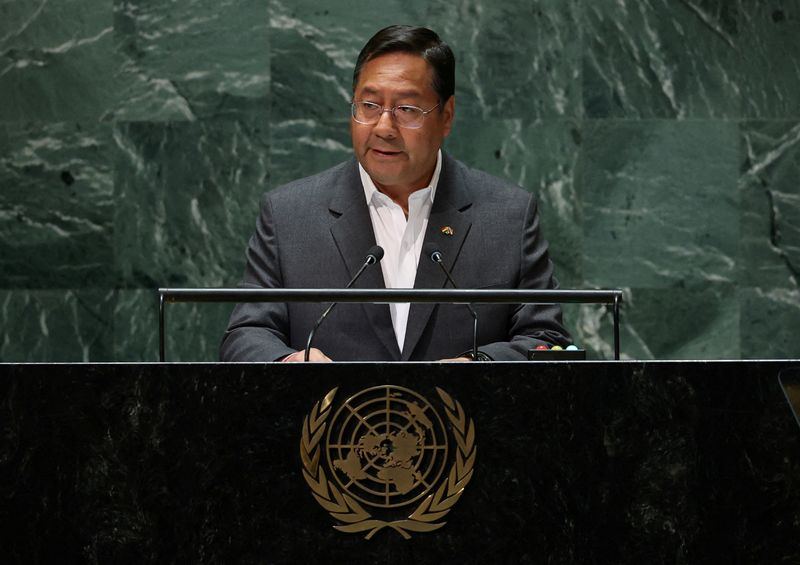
(531,324)
(259,332)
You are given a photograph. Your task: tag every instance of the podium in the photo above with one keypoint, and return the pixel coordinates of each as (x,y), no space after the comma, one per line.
(587,462)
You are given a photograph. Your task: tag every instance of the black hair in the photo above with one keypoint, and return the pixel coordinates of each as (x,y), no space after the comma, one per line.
(416,41)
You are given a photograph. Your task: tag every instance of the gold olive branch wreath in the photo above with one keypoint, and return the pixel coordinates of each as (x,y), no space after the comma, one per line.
(344,508)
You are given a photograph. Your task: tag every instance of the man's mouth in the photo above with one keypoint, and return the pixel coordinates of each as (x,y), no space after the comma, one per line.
(386,153)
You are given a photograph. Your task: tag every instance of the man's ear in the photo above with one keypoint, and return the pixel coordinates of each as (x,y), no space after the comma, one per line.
(449,114)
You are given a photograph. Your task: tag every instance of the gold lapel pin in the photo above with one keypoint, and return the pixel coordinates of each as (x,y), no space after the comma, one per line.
(447,230)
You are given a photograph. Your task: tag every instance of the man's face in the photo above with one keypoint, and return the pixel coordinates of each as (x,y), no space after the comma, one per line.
(399,160)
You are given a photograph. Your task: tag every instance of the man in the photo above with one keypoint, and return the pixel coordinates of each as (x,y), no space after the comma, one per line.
(398,191)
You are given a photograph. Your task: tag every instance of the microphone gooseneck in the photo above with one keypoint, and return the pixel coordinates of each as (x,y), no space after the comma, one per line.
(432,251)
(374,255)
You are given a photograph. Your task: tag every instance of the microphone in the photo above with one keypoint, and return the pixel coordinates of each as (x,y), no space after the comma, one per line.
(432,250)
(374,255)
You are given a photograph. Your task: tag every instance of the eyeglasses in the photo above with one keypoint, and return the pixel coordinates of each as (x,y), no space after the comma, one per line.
(405,116)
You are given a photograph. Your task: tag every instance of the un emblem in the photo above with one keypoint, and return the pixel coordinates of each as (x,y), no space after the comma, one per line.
(387,448)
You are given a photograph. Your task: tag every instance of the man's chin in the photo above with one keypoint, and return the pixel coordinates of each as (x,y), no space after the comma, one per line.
(382,174)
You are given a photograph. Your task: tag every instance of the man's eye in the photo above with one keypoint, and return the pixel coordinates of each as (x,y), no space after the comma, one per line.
(407,109)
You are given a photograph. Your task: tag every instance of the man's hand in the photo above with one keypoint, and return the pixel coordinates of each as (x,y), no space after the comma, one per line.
(456,360)
(314,356)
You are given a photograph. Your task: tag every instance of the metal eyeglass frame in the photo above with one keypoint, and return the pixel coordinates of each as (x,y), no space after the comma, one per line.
(392,112)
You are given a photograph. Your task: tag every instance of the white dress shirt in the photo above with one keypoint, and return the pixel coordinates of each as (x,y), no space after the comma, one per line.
(400,238)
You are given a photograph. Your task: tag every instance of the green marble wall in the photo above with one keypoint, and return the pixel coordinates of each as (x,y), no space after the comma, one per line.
(662,136)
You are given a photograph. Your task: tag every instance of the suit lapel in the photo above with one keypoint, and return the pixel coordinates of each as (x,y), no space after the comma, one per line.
(353,234)
(451,209)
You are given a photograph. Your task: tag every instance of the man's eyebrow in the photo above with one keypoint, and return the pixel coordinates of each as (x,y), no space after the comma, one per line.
(400,93)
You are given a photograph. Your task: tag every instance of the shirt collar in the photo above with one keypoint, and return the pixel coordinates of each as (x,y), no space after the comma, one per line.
(370,190)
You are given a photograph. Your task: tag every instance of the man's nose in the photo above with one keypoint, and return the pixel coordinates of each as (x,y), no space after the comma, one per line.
(385,123)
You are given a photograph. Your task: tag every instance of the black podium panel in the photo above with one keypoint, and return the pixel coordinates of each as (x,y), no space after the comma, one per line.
(594,462)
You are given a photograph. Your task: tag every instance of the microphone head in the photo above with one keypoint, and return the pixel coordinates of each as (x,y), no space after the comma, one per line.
(375,253)
(431,250)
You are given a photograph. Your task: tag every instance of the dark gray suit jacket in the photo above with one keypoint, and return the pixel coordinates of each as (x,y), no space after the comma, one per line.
(315,232)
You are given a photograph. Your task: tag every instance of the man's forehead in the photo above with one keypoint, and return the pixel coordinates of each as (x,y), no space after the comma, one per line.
(404,73)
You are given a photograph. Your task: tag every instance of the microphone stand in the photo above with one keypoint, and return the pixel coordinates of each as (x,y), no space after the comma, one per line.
(374,255)
(436,257)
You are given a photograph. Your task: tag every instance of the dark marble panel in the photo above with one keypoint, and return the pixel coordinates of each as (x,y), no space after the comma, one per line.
(193,331)
(56,60)
(301,148)
(658,58)
(767,58)
(135,318)
(770,322)
(660,203)
(592,328)
(187,201)
(314,49)
(192,59)
(56,205)
(691,59)
(658,463)
(694,321)
(518,59)
(56,325)
(770,211)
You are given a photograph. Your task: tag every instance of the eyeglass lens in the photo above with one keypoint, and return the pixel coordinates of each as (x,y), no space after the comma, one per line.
(406,116)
